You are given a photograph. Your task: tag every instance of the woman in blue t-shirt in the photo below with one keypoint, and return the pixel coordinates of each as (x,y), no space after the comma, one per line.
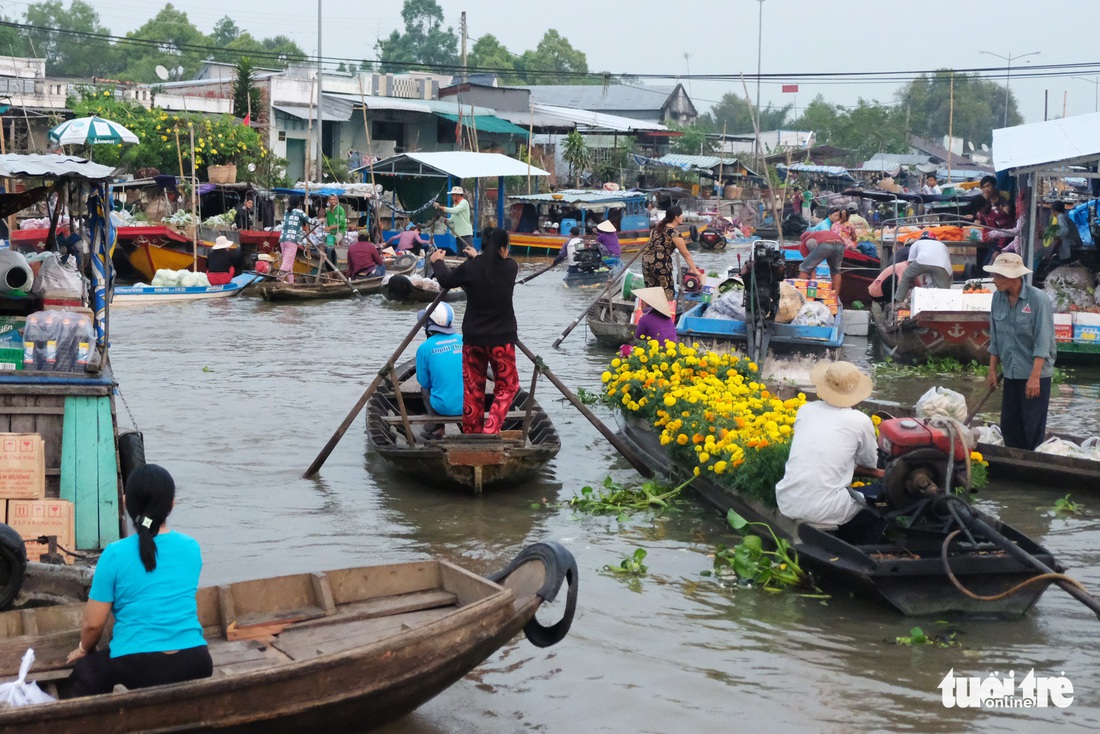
(148,581)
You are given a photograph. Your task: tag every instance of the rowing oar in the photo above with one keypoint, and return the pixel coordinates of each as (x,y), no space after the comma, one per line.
(974,412)
(628,454)
(547,269)
(257,278)
(324,257)
(604,292)
(382,374)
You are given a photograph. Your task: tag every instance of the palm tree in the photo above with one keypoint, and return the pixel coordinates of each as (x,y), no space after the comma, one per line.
(575,153)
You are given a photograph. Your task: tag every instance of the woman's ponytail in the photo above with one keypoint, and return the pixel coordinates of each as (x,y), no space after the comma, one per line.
(670,216)
(150,493)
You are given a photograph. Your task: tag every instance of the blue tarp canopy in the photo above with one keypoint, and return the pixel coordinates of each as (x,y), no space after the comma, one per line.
(838,172)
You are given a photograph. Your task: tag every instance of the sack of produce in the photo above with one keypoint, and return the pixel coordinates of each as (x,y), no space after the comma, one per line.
(989,435)
(939,401)
(1061,447)
(814,313)
(202,280)
(730,305)
(1070,288)
(188,280)
(791,301)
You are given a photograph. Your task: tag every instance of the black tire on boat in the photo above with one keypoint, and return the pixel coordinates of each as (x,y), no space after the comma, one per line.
(694,232)
(131,453)
(13,564)
(400,287)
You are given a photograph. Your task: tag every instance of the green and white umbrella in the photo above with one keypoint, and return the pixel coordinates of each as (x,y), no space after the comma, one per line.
(91,131)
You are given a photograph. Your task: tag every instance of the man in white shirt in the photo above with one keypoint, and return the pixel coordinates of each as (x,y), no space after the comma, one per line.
(928,256)
(930,186)
(832,442)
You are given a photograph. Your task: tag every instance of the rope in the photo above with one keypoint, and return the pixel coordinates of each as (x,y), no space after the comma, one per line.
(1044,578)
(127,406)
(411,212)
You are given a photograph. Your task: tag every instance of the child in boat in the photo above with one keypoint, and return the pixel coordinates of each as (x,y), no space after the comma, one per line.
(148,581)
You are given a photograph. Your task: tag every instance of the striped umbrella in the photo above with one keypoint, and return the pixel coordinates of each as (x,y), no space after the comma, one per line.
(90,131)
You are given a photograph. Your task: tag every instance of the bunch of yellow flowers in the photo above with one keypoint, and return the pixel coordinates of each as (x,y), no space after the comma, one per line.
(711,409)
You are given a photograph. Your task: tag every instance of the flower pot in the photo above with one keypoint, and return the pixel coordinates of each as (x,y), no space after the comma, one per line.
(226,174)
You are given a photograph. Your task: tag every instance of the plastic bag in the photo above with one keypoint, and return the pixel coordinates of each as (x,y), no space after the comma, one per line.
(20,692)
(1091,448)
(941,401)
(1061,447)
(989,435)
(791,301)
(731,305)
(814,313)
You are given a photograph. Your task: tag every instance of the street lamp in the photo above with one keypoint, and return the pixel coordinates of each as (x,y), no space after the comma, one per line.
(1008,72)
(1095,83)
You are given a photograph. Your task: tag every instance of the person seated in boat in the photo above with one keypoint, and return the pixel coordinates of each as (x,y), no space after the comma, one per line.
(410,240)
(245,216)
(221,262)
(264,263)
(364,259)
(1021,342)
(656,321)
(861,226)
(608,239)
(568,251)
(931,187)
(439,367)
(827,223)
(927,257)
(148,581)
(832,443)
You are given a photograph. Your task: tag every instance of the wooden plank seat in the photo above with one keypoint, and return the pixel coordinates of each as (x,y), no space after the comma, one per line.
(398,420)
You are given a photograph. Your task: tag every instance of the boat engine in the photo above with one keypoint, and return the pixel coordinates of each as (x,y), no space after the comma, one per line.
(587,260)
(762,276)
(710,240)
(919,454)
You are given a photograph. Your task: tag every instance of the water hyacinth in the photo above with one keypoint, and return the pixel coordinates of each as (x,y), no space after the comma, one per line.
(712,411)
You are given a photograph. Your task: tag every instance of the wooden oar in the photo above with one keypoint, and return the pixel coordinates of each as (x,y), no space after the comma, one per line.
(547,269)
(635,461)
(604,292)
(382,373)
(974,412)
(324,257)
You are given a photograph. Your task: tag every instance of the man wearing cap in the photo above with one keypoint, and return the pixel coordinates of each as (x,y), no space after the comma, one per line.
(832,443)
(928,256)
(439,367)
(364,259)
(460,218)
(1021,342)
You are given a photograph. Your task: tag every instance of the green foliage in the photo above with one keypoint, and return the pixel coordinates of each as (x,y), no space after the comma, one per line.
(554,61)
(735,114)
(172,31)
(336,169)
(979,106)
(616,165)
(979,474)
(246,97)
(749,560)
(67,54)
(1066,506)
(613,498)
(424,41)
(762,470)
(932,367)
(868,128)
(488,54)
(693,140)
(587,397)
(575,153)
(918,638)
(631,565)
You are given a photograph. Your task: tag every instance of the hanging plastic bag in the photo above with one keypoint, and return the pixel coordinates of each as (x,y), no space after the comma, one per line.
(1090,447)
(1061,447)
(941,401)
(20,692)
(989,435)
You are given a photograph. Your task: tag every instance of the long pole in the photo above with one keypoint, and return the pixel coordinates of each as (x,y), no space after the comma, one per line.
(1008,78)
(950,124)
(604,292)
(194,205)
(759,57)
(320,89)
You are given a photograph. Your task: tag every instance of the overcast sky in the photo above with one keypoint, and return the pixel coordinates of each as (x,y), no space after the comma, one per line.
(720,36)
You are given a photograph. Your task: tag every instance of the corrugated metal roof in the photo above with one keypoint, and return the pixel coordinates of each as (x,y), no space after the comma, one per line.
(458,164)
(584,198)
(891,160)
(685,162)
(14,165)
(486,124)
(586,118)
(599,97)
(1055,142)
(427,106)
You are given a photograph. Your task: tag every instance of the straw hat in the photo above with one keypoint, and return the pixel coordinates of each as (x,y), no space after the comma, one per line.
(655,299)
(840,384)
(456,190)
(222,243)
(605,226)
(266,258)
(1008,264)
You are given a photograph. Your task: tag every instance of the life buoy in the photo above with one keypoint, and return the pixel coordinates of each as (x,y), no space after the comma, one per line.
(13,564)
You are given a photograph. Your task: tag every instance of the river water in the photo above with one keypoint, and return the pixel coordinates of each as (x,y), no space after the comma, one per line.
(235,397)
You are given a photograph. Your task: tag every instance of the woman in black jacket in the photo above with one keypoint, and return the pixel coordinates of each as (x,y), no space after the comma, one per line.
(488,329)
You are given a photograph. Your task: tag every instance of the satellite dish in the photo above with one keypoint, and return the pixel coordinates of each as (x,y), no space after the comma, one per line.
(251,167)
(985,148)
(162,73)
(970,144)
(179,70)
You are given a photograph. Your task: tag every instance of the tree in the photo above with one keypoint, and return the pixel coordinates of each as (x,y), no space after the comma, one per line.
(246,97)
(67,54)
(173,34)
(734,113)
(979,106)
(12,41)
(489,54)
(575,153)
(283,47)
(424,41)
(554,61)
(225,32)
(693,140)
(868,128)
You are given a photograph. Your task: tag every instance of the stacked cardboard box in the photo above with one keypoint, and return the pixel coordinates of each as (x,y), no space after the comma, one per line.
(1086,327)
(816,290)
(23,495)
(1063,327)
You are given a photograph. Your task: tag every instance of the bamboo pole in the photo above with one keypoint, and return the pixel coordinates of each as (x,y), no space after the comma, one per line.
(763,163)
(370,158)
(309,168)
(950,123)
(531,138)
(194,205)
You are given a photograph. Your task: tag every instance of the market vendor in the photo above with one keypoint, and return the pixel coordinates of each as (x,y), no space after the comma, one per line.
(927,256)
(994,209)
(1067,238)
(244,215)
(461,225)
(364,259)
(832,443)
(608,239)
(656,322)
(220,262)
(827,223)
(409,240)
(1021,343)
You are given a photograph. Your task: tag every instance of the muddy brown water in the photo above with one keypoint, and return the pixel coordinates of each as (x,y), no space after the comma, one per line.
(236,397)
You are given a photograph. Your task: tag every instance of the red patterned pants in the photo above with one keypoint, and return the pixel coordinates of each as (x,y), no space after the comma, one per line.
(475,360)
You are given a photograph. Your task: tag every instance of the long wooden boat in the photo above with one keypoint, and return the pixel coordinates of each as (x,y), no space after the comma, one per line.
(961,335)
(330,288)
(634,222)
(130,295)
(609,321)
(402,290)
(345,650)
(143,250)
(904,572)
(695,325)
(527,442)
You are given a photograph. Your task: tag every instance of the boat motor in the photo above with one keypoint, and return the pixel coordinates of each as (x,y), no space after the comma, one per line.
(710,240)
(587,260)
(762,276)
(919,454)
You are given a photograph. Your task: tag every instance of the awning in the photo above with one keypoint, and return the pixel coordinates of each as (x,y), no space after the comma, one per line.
(15,165)
(457,164)
(1041,145)
(837,172)
(486,124)
(594,120)
(588,199)
(331,110)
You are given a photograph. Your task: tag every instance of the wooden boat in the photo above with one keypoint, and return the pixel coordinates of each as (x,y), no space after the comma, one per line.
(906,573)
(583,278)
(609,321)
(694,325)
(129,295)
(1063,472)
(402,290)
(345,650)
(634,223)
(528,441)
(331,287)
(961,335)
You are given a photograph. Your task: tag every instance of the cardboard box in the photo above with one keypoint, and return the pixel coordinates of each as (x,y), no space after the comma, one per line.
(935,299)
(1087,334)
(22,466)
(857,323)
(1063,327)
(35,518)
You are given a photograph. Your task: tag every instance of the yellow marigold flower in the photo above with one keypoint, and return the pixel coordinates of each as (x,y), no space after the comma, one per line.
(876,419)
(704,457)
(682,439)
(616,362)
(695,471)
(665,439)
(606,377)
(669,400)
(976,456)
(720,467)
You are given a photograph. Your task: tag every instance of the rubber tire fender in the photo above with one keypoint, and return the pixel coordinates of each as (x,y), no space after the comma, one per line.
(13,564)
(400,287)
(694,232)
(131,453)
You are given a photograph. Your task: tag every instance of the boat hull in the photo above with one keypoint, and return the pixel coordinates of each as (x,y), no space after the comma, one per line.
(961,335)
(609,322)
(694,325)
(535,245)
(143,295)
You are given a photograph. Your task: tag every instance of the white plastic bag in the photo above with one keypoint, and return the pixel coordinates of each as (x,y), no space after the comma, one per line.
(989,435)
(53,277)
(20,692)
(1091,448)
(814,313)
(1061,447)
(941,401)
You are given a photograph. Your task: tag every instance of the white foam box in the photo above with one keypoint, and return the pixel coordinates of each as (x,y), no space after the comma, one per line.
(977,302)
(935,299)
(1084,318)
(857,323)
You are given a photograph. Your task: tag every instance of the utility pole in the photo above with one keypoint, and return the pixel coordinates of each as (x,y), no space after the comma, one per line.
(320,85)
(462,31)
(1008,73)
(759,57)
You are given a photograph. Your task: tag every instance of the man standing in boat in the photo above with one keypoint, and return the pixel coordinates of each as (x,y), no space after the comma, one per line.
(439,368)
(460,218)
(1021,343)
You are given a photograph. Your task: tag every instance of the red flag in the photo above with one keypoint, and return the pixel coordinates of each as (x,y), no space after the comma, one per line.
(790,88)
(247,122)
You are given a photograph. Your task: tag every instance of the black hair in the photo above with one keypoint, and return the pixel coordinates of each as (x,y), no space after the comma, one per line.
(294,202)
(1058,206)
(931,177)
(150,492)
(987,180)
(575,231)
(670,216)
(493,239)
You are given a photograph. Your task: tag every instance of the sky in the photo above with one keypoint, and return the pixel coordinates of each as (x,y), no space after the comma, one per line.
(715,37)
